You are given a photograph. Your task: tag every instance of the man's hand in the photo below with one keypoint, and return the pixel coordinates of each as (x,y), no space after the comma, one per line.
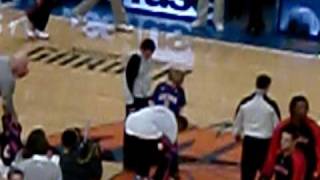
(316,175)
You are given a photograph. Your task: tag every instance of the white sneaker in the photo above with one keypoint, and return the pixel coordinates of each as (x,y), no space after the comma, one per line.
(198,23)
(219,27)
(124,28)
(30,34)
(42,35)
(77,20)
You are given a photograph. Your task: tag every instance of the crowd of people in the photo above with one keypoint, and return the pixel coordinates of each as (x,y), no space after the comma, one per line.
(285,149)
(152,121)
(38,15)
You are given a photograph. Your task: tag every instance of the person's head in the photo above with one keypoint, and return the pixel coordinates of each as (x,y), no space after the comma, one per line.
(15,174)
(147,48)
(37,143)
(299,107)
(176,76)
(70,139)
(288,138)
(19,66)
(263,82)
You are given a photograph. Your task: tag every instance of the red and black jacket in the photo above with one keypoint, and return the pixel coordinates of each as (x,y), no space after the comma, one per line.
(274,148)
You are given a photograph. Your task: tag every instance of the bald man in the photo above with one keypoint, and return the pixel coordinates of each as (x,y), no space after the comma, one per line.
(11,68)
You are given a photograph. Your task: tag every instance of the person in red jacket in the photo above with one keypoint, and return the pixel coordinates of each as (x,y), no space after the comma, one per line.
(290,161)
(308,141)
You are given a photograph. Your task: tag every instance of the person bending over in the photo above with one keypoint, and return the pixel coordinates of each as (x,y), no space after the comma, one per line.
(152,133)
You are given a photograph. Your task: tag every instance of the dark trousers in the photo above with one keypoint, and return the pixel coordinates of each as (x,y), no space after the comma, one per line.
(138,103)
(254,152)
(143,154)
(256,20)
(310,157)
(39,14)
(235,9)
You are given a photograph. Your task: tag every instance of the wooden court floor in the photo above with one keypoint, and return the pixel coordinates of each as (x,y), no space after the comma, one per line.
(56,96)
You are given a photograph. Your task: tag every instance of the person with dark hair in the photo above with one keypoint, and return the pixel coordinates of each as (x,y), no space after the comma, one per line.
(256,117)
(290,162)
(151,136)
(15,174)
(137,85)
(308,141)
(137,77)
(38,16)
(79,161)
(36,159)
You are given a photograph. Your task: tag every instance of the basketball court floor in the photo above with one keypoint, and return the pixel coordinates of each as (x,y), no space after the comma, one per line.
(74,79)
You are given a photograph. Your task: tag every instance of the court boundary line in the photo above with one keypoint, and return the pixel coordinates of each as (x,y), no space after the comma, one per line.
(233,44)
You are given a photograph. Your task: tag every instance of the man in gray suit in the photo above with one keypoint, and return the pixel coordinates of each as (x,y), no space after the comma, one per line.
(202,14)
(120,17)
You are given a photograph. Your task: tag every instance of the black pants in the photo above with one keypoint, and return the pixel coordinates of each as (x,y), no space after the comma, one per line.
(310,157)
(142,154)
(256,20)
(138,103)
(254,153)
(235,9)
(39,14)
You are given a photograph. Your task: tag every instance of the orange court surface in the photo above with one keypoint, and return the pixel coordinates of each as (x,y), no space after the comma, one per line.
(74,79)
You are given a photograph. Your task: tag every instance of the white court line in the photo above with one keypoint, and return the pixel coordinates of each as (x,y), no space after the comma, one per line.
(263,49)
(241,45)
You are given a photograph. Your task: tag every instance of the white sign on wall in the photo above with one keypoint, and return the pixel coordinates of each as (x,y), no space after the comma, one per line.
(183,8)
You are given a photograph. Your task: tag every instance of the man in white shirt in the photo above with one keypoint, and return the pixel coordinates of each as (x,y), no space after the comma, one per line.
(256,117)
(137,77)
(151,135)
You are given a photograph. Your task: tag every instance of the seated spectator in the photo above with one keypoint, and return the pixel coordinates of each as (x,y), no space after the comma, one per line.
(172,95)
(308,139)
(15,174)
(151,136)
(35,162)
(79,160)
(27,151)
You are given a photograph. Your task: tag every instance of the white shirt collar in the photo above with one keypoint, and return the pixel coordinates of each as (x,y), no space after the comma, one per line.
(40,157)
(261,92)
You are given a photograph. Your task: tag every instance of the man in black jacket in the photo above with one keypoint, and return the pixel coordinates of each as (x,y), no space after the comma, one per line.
(137,77)
(80,161)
